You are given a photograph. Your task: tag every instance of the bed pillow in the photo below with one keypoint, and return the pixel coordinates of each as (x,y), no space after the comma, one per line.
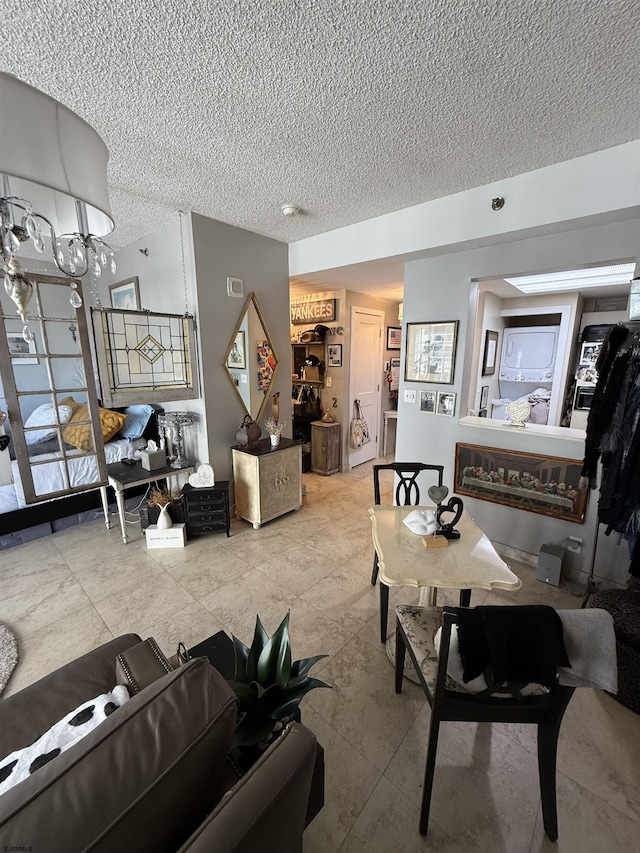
(44,416)
(136,422)
(79,435)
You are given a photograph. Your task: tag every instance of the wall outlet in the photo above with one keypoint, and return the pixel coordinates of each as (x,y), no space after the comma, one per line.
(329,382)
(409,396)
(574,543)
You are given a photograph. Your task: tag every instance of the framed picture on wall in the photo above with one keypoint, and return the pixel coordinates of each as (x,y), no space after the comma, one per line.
(490,353)
(428,401)
(431,352)
(484,397)
(18,346)
(334,355)
(394,337)
(125,294)
(446,403)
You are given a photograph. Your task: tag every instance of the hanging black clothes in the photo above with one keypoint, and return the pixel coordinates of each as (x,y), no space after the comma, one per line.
(613,435)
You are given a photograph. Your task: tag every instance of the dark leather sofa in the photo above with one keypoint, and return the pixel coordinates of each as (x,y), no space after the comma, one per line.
(153,776)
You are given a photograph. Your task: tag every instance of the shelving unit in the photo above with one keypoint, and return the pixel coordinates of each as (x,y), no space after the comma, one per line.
(299,354)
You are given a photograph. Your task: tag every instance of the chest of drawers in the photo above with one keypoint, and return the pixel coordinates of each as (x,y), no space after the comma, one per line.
(267,481)
(207,509)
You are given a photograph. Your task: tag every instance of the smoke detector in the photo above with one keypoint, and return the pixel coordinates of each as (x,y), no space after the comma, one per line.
(290,209)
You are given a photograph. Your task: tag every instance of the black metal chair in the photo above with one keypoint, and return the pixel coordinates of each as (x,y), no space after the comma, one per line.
(415,628)
(407,493)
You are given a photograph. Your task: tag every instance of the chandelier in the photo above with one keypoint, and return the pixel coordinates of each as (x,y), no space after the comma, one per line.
(53,195)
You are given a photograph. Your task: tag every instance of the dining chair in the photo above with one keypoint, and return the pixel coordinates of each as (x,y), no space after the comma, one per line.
(449,701)
(406,493)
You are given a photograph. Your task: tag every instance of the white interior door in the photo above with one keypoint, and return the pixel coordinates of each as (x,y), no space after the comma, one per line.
(365,372)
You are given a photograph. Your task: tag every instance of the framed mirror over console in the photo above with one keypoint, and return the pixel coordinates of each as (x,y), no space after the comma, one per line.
(251,361)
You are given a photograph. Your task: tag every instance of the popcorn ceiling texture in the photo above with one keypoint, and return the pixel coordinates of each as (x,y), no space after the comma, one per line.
(347,109)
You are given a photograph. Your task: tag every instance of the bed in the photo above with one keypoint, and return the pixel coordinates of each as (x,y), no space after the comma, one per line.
(20,522)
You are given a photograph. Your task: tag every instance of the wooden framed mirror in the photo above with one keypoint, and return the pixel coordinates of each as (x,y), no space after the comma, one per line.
(251,362)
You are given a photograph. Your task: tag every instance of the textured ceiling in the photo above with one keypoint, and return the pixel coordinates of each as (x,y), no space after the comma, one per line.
(347,109)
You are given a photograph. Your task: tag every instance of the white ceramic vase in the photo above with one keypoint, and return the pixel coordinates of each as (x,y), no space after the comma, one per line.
(164,519)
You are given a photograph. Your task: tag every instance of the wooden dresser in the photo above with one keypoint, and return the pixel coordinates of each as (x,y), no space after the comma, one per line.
(325,448)
(267,481)
(207,510)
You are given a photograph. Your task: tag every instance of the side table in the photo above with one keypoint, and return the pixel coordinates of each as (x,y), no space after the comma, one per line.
(207,509)
(121,477)
(325,448)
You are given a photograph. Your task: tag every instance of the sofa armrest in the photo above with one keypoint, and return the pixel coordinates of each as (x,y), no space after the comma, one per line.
(32,711)
(266,809)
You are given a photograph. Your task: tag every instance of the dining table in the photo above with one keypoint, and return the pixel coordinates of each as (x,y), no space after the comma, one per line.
(465,563)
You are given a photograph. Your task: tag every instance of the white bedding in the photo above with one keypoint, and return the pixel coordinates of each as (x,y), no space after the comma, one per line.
(49,478)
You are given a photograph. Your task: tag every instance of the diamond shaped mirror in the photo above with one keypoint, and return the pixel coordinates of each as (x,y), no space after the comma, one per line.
(251,362)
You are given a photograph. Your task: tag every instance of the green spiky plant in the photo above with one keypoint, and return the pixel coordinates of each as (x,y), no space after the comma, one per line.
(268,685)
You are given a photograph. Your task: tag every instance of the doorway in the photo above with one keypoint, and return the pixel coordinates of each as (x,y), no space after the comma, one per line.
(365,376)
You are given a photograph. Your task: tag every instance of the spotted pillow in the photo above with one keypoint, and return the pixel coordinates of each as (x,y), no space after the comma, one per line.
(65,733)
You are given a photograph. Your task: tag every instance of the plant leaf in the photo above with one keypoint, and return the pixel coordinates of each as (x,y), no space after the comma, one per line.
(302,666)
(241,653)
(260,637)
(274,664)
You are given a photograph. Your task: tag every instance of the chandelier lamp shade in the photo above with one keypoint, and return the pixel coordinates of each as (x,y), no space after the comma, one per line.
(53,191)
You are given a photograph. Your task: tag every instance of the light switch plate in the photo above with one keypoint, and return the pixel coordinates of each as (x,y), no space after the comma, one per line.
(409,396)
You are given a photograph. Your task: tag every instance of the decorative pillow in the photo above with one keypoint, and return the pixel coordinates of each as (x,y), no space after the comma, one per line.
(136,422)
(79,435)
(70,729)
(45,416)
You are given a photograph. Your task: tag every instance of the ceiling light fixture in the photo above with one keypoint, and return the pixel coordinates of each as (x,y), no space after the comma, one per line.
(574,279)
(290,209)
(53,168)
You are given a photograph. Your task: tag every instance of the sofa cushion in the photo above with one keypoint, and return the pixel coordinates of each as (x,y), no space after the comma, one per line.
(143,780)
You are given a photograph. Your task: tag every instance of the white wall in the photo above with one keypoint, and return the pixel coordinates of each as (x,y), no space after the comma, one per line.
(441,288)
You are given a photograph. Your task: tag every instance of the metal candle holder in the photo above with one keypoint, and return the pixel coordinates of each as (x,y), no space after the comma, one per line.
(173,424)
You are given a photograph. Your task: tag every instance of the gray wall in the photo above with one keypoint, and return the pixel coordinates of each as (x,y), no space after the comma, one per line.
(441,288)
(221,250)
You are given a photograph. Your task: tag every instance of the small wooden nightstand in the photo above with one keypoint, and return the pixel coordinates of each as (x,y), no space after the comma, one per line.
(325,448)
(207,509)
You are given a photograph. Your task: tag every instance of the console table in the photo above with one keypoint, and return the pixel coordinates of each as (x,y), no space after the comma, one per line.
(267,480)
(121,477)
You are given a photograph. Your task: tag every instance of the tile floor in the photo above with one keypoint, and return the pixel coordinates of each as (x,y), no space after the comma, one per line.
(66,594)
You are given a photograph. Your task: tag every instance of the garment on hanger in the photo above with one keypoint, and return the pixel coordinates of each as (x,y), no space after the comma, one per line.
(613,436)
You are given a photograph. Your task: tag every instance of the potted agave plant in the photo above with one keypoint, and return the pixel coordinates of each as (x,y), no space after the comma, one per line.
(268,684)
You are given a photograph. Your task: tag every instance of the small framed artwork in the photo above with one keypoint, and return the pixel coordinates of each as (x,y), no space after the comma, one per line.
(126,294)
(446,403)
(394,337)
(484,396)
(334,355)
(490,353)
(428,401)
(431,352)
(18,346)
(482,413)
(237,357)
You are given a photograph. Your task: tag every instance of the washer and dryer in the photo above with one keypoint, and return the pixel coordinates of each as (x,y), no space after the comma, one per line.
(527,363)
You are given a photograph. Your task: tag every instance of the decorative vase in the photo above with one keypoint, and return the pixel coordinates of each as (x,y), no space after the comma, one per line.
(164,519)
(249,432)
(275,439)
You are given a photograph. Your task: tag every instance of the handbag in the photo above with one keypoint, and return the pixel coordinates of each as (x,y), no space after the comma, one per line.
(358,429)
(144,663)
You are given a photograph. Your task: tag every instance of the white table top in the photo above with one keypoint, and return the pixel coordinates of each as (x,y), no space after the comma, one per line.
(470,562)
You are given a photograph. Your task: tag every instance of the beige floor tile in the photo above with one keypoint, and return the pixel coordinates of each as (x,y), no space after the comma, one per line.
(236,605)
(100,579)
(586,824)
(349,600)
(350,779)
(298,569)
(297,525)
(43,603)
(56,644)
(388,822)
(190,626)
(337,541)
(313,633)
(207,571)
(151,601)
(362,705)
(261,545)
